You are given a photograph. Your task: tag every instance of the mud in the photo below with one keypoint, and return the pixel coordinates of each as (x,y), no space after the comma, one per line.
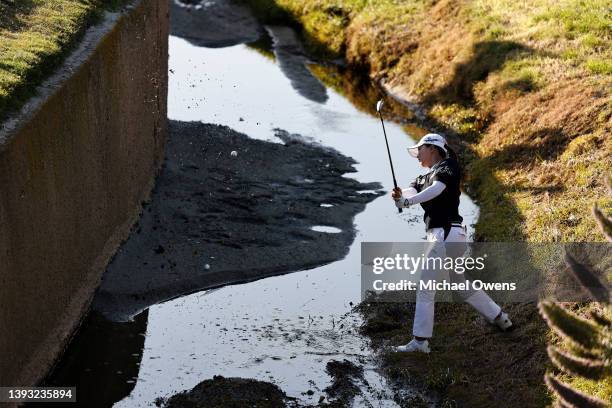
(216,219)
(240,392)
(229,392)
(346,377)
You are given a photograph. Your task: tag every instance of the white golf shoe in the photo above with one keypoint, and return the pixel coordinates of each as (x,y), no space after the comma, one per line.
(503,321)
(414,346)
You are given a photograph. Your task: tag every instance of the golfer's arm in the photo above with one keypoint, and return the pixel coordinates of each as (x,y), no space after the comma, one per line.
(429,193)
(409,192)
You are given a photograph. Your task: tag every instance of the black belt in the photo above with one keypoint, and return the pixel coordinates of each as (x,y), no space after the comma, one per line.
(448,227)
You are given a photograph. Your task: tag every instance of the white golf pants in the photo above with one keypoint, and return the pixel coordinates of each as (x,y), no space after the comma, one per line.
(478,299)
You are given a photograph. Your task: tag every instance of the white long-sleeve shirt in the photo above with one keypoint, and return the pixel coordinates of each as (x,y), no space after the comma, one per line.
(427,194)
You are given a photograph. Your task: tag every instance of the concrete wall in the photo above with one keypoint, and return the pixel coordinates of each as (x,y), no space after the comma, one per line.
(75,165)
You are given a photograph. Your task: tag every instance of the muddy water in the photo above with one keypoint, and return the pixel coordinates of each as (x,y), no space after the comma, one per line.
(282,329)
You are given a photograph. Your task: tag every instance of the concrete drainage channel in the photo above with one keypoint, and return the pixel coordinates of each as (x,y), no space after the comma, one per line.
(183,304)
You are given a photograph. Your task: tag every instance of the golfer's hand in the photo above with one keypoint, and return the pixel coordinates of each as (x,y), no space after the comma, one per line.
(396,194)
(402,203)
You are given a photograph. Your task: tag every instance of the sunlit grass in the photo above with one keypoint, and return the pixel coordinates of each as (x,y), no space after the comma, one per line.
(579,31)
(34,36)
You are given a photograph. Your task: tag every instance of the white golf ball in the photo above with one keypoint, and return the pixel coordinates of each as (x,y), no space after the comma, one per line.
(207,266)
(234,153)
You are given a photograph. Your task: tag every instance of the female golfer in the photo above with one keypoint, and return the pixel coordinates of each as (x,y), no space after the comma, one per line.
(438,193)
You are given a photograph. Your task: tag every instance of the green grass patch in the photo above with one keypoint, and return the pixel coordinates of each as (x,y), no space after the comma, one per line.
(323,23)
(575,17)
(597,66)
(580,29)
(523,74)
(35,35)
(465,120)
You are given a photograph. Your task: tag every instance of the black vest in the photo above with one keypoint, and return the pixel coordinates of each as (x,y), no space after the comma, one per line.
(442,210)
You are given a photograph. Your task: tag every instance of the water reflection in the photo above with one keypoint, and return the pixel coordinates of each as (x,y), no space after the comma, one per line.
(213,23)
(292,61)
(103,361)
(225,23)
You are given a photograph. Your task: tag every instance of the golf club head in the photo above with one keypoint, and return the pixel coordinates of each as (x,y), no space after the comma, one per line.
(379,105)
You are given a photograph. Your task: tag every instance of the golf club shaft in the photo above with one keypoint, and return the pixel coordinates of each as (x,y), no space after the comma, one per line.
(382,122)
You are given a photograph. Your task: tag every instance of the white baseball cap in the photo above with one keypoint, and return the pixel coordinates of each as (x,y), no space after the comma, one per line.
(430,138)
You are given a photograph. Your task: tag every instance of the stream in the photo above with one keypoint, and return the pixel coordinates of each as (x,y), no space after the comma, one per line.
(281,329)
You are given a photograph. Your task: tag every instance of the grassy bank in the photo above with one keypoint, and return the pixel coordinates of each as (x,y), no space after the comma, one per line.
(523,90)
(34,37)
(523,86)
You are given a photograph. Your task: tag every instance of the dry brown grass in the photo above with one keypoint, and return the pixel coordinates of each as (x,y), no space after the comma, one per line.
(551,150)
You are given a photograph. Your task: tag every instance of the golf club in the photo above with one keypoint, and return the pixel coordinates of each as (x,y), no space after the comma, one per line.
(379,105)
